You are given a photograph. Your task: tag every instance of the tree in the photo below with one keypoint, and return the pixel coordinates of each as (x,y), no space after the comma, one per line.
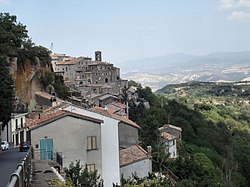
(6,92)
(79,176)
(12,34)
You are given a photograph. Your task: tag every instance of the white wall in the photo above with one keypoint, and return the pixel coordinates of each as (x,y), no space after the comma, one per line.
(142,168)
(171,146)
(110,146)
(70,137)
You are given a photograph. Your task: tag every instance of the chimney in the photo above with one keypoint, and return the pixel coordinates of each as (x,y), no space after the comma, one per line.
(149,150)
(98,56)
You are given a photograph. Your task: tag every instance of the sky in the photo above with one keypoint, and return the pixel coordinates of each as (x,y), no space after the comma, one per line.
(134,29)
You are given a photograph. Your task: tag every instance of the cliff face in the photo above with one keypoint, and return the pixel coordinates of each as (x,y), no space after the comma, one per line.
(26,75)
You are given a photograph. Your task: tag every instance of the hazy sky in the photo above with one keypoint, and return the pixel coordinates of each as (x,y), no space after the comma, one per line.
(133,29)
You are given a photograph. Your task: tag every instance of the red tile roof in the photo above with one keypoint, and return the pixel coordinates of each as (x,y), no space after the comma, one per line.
(110,113)
(132,154)
(60,114)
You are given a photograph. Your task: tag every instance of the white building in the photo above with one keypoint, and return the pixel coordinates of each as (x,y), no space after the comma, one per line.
(110,145)
(16,131)
(135,160)
(170,134)
(170,144)
(92,139)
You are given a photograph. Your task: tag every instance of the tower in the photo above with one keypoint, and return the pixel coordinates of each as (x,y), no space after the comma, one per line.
(98,56)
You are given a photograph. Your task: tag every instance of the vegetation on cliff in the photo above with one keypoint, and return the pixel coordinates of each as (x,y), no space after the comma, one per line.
(29,64)
(215,147)
(12,35)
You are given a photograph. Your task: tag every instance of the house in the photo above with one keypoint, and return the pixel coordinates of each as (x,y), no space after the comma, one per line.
(76,136)
(133,160)
(169,142)
(109,141)
(120,108)
(173,130)
(127,129)
(170,134)
(16,130)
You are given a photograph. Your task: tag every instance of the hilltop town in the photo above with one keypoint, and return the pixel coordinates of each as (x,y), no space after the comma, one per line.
(73,121)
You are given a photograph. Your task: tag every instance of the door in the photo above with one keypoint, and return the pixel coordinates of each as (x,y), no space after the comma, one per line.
(46,149)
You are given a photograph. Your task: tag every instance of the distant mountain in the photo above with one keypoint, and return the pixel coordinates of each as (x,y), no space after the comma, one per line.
(157,72)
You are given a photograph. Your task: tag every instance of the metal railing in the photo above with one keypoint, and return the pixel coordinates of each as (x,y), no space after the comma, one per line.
(21,176)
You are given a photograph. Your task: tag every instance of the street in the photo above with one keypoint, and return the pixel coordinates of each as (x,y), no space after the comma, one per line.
(8,163)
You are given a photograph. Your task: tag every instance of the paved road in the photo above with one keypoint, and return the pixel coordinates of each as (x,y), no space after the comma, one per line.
(8,164)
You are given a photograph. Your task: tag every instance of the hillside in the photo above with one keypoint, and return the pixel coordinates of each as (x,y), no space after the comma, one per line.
(215,123)
(179,68)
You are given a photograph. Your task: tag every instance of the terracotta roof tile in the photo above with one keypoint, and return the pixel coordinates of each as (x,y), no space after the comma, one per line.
(110,113)
(47,117)
(132,154)
(59,114)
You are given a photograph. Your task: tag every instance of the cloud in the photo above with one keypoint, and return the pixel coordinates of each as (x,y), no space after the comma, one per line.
(233,4)
(239,16)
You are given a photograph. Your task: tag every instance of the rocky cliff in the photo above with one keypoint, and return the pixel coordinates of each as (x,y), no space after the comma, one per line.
(27,75)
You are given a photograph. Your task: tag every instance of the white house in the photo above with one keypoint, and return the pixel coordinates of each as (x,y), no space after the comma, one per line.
(170,134)
(170,143)
(76,137)
(110,144)
(16,131)
(135,160)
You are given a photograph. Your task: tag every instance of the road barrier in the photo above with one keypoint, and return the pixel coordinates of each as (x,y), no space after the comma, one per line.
(21,176)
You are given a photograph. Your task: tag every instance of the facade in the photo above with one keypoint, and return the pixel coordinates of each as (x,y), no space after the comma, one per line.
(170,134)
(135,160)
(71,70)
(170,144)
(16,131)
(110,144)
(58,58)
(127,129)
(75,136)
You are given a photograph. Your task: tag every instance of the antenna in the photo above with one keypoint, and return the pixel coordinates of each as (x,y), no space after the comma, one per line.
(51,46)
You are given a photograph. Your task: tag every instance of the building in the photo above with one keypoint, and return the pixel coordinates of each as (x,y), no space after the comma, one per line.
(16,131)
(71,70)
(173,130)
(59,58)
(90,139)
(109,141)
(169,135)
(135,160)
(127,129)
(169,142)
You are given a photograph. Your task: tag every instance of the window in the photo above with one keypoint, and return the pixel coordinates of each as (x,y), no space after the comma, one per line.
(21,122)
(91,167)
(91,143)
(16,124)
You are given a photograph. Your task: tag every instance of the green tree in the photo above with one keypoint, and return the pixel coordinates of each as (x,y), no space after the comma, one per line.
(81,176)
(6,92)
(12,34)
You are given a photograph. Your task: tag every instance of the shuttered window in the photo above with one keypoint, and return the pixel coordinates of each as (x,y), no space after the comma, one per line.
(91,142)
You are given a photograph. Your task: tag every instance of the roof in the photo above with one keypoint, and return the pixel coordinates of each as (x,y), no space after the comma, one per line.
(170,126)
(106,96)
(118,104)
(110,113)
(167,136)
(132,154)
(58,115)
(72,61)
